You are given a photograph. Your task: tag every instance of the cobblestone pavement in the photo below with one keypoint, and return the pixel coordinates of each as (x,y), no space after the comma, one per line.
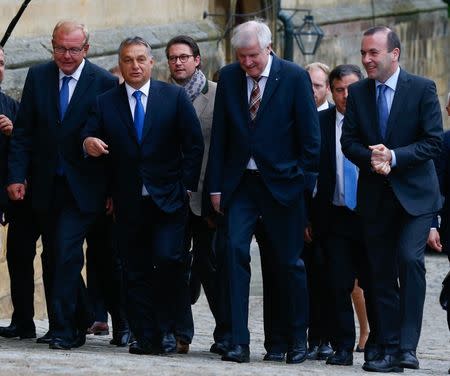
(97,357)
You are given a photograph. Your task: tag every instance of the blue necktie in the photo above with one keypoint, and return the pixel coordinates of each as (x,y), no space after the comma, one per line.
(64,96)
(383,111)
(139,114)
(63,104)
(350,184)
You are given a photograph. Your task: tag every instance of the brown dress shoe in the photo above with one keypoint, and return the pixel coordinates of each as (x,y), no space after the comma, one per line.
(99,329)
(182,346)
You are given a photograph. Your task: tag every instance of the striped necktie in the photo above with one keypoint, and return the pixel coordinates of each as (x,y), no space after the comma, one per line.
(255,99)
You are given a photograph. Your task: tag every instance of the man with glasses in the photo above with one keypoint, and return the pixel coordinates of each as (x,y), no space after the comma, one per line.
(184,60)
(68,192)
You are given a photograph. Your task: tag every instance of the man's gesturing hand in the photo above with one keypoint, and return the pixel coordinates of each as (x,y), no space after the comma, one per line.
(381,159)
(95,147)
(16,191)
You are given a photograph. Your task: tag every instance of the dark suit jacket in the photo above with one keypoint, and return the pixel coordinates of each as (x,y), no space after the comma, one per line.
(326,181)
(39,136)
(443,171)
(414,132)
(284,139)
(169,157)
(8,107)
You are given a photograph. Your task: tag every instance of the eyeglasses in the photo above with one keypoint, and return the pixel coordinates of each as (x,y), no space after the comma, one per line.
(183,58)
(73,51)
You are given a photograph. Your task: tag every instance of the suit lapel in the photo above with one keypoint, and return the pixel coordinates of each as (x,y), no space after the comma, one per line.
(54,84)
(401,93)
(152,102)
(86,78)
(271,84)
(125,112)
(331,130)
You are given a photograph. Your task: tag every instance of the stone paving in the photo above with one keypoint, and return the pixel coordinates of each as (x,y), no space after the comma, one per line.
(97,357)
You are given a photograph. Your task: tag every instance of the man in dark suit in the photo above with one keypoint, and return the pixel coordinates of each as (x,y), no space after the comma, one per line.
(337,225)
(67,191)
(392,131)
(265,136)
(22,235)
(154,146)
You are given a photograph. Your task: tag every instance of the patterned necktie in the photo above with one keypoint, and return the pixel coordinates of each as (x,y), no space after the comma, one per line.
(383,112)
(139,114)
(255,99)
(64,96)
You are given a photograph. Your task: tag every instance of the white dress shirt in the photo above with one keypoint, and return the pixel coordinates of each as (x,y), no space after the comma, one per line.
(251,165)
(145,89)
(75,78)
(391,83)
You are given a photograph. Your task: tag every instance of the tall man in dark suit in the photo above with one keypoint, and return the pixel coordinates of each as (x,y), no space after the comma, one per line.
(68,192)
(392,131)
(154,146)
(337,225)
(22,234)
(265,136)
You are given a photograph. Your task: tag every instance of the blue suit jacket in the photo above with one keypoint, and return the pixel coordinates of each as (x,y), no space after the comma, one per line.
(284,139)
(39,135)
(414,132)
(169,157)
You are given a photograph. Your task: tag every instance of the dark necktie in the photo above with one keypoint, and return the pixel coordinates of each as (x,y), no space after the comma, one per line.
(64,96)
(383,112)
(139,114)
(255,99)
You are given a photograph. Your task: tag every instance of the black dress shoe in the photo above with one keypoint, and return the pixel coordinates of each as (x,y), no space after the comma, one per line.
(219,348)
(80,339)
(325,351)
(273,356)
(237,353)
(121,338)
(386,363)
(60,344)
(46,338)
(14,330)
(296,353)
(143,348)
(313,352)
(372,352)
(168,343)
(341,358)
(408,359)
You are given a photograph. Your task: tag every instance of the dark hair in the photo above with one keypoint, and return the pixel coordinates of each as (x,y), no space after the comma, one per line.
(344,70)
(183,39)
(393,41)
(135,41)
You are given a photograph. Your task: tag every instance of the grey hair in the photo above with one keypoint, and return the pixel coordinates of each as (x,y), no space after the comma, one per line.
(245,34)
(135,41)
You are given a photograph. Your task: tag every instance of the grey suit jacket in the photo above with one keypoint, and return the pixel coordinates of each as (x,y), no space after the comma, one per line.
(204,106)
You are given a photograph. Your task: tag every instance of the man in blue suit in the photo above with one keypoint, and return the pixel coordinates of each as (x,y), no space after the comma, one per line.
(265,136)
(150,135)
(392,131)
(67,191)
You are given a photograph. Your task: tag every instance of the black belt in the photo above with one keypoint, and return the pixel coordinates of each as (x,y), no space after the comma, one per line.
(252,172)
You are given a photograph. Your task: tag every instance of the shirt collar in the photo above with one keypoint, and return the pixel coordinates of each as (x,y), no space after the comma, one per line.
(339,117)
(324,106)
(75,75)
(391,82)
(144,89)
(266,70)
